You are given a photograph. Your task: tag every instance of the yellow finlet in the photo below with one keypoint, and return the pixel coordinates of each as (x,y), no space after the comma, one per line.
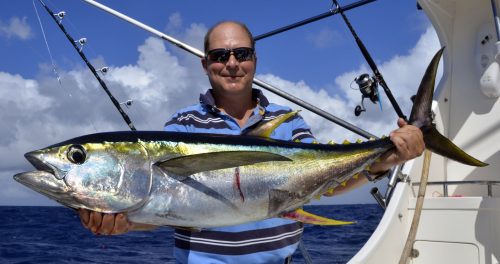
(359,140)
(346,142)
(331,142)
(308,218)
(267,128)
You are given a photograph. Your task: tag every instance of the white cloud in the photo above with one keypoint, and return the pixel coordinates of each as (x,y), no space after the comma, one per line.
(174,22)
(16,27)
(324,38)
(27,96)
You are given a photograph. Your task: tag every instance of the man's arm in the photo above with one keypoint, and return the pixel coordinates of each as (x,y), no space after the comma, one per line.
(409,143)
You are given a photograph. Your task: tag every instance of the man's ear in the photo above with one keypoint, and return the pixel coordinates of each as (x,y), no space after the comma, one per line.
(255,58)
(204,64)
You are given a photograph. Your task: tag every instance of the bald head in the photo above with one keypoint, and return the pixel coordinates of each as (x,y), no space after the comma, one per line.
(243,27)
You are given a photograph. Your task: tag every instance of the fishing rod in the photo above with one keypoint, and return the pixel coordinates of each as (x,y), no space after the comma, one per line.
(497,20)
(378,76)
(256,81)
(331,12)
(58,17)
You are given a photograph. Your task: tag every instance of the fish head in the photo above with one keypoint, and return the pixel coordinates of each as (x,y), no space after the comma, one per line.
(106,177)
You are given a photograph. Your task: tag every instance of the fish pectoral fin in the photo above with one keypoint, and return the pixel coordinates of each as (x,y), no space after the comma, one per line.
(308,218)
(265,129)
(191,164)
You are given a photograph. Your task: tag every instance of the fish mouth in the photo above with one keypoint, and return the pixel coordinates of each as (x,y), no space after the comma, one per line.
(46,183)
(44,180)
(32,179)
(36,159)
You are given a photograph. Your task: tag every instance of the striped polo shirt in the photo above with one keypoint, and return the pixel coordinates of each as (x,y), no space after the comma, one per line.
(266,241)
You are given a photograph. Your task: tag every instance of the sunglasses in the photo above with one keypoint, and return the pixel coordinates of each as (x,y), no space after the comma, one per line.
(222,55)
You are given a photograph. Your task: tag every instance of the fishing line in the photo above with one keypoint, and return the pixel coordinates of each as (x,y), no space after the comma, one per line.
(54,68)
(81,42)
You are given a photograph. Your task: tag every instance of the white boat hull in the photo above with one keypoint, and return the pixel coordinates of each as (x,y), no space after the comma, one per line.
(459,223)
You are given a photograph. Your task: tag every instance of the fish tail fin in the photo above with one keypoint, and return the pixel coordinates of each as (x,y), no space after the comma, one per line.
(421,116)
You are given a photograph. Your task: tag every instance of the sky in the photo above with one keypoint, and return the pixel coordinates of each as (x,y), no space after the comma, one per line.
(49,95)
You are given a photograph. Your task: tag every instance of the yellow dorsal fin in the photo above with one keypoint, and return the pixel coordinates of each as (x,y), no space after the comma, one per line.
(308,218)
(267,128)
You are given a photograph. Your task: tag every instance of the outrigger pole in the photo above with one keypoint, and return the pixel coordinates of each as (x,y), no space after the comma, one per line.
(313,19)
(256,81)
(89,65)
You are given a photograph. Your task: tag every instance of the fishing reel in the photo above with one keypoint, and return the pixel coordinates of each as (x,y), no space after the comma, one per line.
(368,86)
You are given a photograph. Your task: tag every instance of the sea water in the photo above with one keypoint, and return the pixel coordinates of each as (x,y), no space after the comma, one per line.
(55,235)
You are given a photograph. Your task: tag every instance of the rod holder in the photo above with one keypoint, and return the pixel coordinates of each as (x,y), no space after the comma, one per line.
(378,197)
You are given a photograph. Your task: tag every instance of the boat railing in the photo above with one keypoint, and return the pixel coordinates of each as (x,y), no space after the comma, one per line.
(445,184)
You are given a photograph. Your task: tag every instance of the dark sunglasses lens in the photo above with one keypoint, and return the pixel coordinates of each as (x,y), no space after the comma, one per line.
(219,55)
(243,54)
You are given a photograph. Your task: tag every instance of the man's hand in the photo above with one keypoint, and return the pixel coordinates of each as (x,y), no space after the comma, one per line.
(105,224)
(409,143)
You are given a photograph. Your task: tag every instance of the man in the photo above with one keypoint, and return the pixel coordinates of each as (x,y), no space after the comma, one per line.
(233,107)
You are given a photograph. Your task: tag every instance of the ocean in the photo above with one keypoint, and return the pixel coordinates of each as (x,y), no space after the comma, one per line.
(55,235)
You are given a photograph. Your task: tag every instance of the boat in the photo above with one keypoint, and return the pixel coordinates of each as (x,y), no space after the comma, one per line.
(460,217)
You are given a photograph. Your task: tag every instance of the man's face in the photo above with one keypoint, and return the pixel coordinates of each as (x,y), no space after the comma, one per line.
(232,77)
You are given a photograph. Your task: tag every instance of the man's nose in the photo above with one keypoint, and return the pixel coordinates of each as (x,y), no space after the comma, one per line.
(232,61)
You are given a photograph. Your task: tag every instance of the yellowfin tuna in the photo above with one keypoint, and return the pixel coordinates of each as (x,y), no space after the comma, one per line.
(188,180)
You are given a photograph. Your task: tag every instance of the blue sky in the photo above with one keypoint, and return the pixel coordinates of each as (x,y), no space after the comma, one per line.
(316,62)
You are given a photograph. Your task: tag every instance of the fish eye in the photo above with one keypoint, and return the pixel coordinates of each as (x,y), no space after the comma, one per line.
(76,154)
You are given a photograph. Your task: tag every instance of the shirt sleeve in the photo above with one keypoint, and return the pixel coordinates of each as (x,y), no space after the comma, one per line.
(301,131)
(174,125)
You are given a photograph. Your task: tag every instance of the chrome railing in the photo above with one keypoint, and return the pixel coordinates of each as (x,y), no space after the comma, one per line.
(445,184)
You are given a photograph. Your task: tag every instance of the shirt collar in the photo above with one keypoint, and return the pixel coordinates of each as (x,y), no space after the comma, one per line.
(208,100)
